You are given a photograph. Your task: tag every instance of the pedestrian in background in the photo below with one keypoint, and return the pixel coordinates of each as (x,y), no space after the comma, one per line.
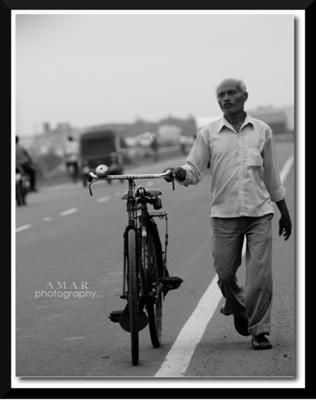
(245,181)
(155,147)
(71,155)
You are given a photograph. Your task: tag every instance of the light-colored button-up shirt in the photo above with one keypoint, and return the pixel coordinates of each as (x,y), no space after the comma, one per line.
(245,177)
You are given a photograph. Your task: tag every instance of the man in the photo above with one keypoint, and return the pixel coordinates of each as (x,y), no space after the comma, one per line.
(244,182)
(24,162)
(71,154)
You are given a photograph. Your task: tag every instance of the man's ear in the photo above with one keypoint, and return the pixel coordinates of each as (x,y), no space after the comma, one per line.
(245,96)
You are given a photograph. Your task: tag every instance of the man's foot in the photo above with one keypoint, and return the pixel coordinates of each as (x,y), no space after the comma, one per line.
(260,342)
(241,325)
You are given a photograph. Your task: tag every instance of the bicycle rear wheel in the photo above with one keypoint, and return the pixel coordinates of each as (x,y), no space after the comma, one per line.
(154,304)
(133,295)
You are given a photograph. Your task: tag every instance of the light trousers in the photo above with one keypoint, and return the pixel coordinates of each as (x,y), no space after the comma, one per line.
(254,300)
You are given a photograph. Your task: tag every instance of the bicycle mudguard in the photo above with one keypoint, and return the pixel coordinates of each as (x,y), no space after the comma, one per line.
(142,320)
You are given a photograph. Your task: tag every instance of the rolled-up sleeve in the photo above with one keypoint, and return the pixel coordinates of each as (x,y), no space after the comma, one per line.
(198,159)
(271,171)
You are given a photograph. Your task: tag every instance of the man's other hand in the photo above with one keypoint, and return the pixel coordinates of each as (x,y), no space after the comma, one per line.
(285,226)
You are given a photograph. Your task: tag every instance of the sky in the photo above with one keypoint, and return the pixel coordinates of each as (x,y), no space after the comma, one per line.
(92,69)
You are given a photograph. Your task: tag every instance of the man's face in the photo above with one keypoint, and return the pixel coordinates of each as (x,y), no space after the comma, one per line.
(230,98)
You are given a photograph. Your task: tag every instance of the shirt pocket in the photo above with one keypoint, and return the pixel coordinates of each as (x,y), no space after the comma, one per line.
(254,159)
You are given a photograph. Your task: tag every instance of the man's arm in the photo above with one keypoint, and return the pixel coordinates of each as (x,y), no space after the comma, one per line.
(196,163)
(198,158)
(275,188)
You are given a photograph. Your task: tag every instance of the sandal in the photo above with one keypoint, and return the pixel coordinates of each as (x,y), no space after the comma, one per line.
(260,342)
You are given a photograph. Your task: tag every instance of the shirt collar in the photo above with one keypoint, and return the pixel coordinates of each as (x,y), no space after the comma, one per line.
(224,123)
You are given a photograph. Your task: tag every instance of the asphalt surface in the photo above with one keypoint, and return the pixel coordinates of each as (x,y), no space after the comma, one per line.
(70,244)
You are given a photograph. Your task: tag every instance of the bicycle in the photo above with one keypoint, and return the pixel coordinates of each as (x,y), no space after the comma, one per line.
(146,280)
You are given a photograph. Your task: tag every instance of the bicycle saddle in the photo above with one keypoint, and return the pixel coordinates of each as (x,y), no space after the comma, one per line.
(141,191)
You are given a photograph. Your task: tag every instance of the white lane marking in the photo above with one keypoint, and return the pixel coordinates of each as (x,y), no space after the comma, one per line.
(181,352)
(286,168)
(73,338)
(25,336)
(103,199)
(41,307)
(47,219)
(23,228)
(57,187)
(68,212)
(53,316)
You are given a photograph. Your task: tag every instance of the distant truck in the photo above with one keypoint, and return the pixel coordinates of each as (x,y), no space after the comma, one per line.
(100,146)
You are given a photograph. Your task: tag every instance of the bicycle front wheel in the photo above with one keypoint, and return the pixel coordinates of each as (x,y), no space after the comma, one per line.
(133,295)
(154,305)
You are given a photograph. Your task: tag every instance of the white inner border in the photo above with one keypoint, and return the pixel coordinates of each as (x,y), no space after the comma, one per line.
(299,217)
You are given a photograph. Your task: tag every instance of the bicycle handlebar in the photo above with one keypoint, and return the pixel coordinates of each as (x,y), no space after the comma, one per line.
(129,177)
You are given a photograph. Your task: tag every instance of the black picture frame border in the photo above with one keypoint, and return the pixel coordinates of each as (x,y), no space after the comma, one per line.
(6,390)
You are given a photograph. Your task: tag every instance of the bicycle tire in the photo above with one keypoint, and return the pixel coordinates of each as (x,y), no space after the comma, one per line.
(154,305)
(133,296)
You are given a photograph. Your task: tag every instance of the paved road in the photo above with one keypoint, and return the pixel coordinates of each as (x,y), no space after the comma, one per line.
(65,237)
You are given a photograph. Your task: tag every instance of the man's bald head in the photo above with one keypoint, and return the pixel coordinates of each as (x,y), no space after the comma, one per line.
(237,83)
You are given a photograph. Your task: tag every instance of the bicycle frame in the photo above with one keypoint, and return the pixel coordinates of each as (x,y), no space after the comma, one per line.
(144,261)
(138,216)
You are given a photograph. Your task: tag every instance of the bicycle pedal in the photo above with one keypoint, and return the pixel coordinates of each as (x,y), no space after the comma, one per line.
(115,315)
(171,282)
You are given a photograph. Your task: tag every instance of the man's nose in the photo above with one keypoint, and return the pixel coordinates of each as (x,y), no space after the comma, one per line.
(226,97)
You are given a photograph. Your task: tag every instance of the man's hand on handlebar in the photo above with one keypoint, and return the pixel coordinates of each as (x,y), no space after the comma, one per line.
(178,173)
